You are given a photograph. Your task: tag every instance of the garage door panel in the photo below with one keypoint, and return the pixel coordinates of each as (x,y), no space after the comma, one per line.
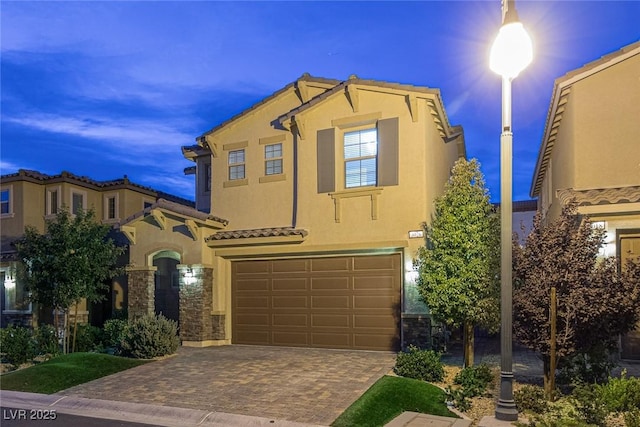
(289,301)
(374,263)
(253,303)
(330,283)
(251,285)
(339,302)
(253,267)
(297,339)
(252,337)
(374,342)
(333,340)
(330,301)
(297,284)
(374,321)
(253,319)
(290,266)
(330,264)
(371,301)
(372,283)
(290,320)
(331,320)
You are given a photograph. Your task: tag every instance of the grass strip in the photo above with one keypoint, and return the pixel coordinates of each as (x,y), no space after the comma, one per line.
(65,371)
(388,398)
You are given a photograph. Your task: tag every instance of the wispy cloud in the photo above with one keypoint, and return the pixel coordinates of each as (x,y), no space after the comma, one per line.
(130,134)
(10,167)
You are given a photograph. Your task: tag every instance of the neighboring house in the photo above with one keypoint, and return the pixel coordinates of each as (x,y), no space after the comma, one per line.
(29,197)
(523,213)
(590,153)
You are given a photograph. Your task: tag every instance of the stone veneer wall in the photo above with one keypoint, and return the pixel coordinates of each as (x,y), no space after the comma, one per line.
(141,282)
(416,330)
(196,303)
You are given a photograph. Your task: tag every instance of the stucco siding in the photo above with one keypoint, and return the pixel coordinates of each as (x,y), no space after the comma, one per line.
(607,141)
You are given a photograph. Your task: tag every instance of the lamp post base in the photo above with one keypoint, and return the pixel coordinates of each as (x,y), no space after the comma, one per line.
(506,411)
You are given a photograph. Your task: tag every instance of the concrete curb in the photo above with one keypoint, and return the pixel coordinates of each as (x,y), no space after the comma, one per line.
(135,412)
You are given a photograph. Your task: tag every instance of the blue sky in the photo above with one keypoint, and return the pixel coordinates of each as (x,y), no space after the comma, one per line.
(105,89)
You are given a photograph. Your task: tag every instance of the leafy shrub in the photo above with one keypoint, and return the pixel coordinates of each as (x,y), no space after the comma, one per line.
(113,333)
(150,336)
(530,398)
(17,344)
(594,402)
(88,338)
(419,364)
(46,340)
(472,381)
(620,394)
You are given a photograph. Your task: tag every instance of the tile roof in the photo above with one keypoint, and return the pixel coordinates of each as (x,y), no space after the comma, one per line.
(599,196)
(176,208)
(258,232)
(39,177)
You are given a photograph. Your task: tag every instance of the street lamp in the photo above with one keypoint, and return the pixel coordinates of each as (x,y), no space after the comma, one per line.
(511,52)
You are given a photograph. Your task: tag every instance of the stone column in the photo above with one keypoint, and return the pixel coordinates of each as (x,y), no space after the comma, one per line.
(141,284)
(198,327)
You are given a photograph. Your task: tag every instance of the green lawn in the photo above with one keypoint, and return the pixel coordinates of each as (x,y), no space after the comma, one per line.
(65,371)
(389,397)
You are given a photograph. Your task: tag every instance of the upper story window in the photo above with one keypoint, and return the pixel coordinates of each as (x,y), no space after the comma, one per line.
(146,204)
(111,207)
(78,201)
(6,207)
(360,158)
(273,159)
(236,164)
(53,201)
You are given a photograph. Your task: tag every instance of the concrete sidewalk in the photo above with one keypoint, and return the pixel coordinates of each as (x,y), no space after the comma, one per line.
(136,412)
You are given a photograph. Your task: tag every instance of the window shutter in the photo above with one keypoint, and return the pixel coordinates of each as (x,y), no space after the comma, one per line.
(326,151)
(388,152)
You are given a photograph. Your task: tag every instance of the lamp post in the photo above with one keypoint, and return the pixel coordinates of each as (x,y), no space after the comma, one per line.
(511,52)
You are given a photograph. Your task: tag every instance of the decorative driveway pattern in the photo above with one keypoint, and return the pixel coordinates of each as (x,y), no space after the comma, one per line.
(296,384)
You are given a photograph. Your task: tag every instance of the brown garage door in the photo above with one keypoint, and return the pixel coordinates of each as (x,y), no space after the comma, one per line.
(343,302)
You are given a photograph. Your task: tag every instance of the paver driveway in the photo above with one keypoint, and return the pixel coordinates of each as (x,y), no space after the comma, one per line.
(296,384)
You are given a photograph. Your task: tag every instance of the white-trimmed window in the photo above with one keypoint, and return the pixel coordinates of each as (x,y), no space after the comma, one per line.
(360,158)
(53,200)
(111,207)
(273,159)
(6,201)
(78,201)
(236,165)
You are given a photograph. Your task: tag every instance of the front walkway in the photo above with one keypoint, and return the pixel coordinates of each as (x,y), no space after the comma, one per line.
(295,384)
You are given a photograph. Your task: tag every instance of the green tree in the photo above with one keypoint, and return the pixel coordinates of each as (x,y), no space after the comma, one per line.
(459,264)
(71,261)
(595,301)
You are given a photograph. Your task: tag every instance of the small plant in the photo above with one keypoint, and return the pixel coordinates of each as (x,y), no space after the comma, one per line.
(150,336)
(419,364)
(17,344)
(632,418)
(114,331)
(46,339)
(531,398)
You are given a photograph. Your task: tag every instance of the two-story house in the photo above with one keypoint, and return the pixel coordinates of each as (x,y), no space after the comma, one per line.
(325,185)
(30,197)
(590,153)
